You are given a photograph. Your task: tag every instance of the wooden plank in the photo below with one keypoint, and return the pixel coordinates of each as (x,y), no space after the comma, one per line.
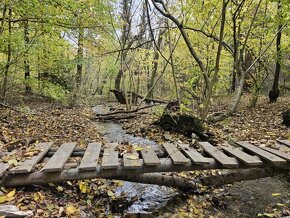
(261,153)
(218,155)
(27,166)
(57,161)
(278,153)
(149,156)
(110,156)
(282,147)
(91,156)
(3,168)
(284,142)
(131,160)
(242,156)
(176,156)
(193,154)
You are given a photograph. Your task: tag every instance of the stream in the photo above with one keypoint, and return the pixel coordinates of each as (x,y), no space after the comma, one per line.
(243,199)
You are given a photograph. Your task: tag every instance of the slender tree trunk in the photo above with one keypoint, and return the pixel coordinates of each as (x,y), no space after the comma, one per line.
(217,64)
(78,77)
(239,65)
(126,35)
(274,93)
(80,58)
(236,40)
(155,64)
(9,51)
(26,58)
(173,69)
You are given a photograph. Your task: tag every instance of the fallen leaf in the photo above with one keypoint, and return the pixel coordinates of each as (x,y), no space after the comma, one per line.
(132,157)
(12,193)
(59,188)
(13,162)
(71,210)
(110,193)
(83,187)
(138,148)
(280,205)
(266,215)
(2,199)
(276,194)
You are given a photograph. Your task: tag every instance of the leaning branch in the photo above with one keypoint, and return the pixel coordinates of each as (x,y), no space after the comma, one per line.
(179,25)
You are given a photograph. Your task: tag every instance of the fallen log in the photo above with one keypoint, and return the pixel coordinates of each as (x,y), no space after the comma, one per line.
(40,177)
(120,96)
(216,180)
(122,117)
(125,112)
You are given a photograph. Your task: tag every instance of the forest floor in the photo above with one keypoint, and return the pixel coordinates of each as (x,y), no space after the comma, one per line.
(23,126)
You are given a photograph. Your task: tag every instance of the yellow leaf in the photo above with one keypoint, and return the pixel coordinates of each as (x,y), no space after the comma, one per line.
(280,205)
(83,187)
(11,194)
(9,198)
(138,148)
(71,210)
(132,157)
(59,188)
(42,197)
(2,199)
(110,193)
(266,215)
(35,197)
(29,154)
(12,162)
(276,194)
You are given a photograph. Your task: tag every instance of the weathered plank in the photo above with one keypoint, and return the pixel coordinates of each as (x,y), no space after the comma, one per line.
(149,156)
(131,160)
(218,155)
(193,154)
(262,153)
(176,156)
(3,168)
(57,161)
(91,156)
(110,156)
(284,142)
(278,153)
(242,156)
(27,166)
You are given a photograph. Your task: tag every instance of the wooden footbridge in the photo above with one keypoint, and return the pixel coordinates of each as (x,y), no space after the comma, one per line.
(69,162)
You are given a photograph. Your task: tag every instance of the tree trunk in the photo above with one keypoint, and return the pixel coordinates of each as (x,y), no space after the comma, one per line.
(213,81)
(7,66)
(80,57)
(274,92)
(78,77)
(126,35)
(155,64)
(173,69)
(26,58)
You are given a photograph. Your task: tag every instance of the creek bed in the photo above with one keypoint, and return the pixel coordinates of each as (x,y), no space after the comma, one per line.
(243,199)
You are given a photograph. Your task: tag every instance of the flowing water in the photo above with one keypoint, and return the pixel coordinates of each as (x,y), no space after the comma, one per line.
(149,198)
(243,199)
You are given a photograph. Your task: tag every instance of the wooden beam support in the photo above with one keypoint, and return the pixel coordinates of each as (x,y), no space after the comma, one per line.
(75,174)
